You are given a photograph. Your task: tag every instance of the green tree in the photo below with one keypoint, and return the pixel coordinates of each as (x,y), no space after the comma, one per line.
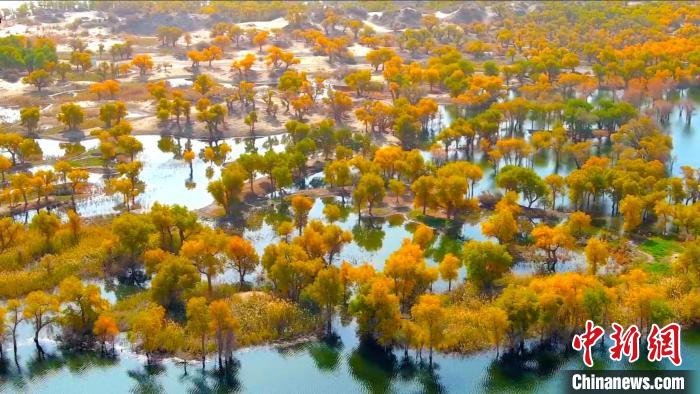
(146,326)
(520,304)
(370,191)
(327,292)
(227,189)
(29,118)
(377,311)
(430,316)
(38,78)
(206,252)
(337,174)
(15,310)
(424,191)
(222,324)
(40,308)
(250,120)
(71,115)
(198,319)
(174,276)
(522,180)
(449,269)
(301,205)
(133,233)
(244,259)
(485,262)
(47,224)
(81,306)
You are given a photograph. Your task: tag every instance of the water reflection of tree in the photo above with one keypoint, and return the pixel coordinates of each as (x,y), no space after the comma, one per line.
(526,370)
(37,368)
(255,220)
(375,367)
(368,234)
(145,377)
(78,362)
(445,244)
(344,316)
(200,381)
(122,289)
(213,381)
(226,380)
(326,353)
(428,378)
(42,365)
(291,351)
(166,144)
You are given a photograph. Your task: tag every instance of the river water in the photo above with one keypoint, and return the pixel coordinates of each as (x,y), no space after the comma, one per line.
(341,365)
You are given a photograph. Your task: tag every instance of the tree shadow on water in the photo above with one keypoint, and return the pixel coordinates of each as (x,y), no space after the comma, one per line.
(226,379)
(326,353)
(373,366)
(39,367)
(377,367)
(146,379)
(213,380)
(369,234)
(527,370)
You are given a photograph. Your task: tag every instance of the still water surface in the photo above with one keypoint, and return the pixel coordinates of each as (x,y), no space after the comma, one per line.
(341,365)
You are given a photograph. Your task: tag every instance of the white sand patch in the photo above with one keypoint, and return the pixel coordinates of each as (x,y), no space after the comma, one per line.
(299,49)
(179,82)
(442,15)
(490,14)
(87,103)
(98,31)
(176,68)
(9,115)
(16,29)
(136,115)
(88,15)
(12,4)
(359,50)
(178,73)
(313,64)
(93,44)
(278,23)
(12,86)
(377,28)
(199,35)
(244,52)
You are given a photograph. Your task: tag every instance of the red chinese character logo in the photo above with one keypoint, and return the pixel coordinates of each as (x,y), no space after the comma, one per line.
(587,340)
(665,343)
(626,342)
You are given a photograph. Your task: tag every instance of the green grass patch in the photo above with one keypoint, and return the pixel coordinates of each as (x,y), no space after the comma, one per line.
(432,221)
(444,245)
(657,268)
(87,162)
(660,248)
(83,76)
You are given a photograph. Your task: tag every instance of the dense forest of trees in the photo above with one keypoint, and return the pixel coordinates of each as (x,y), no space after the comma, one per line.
(520,88)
